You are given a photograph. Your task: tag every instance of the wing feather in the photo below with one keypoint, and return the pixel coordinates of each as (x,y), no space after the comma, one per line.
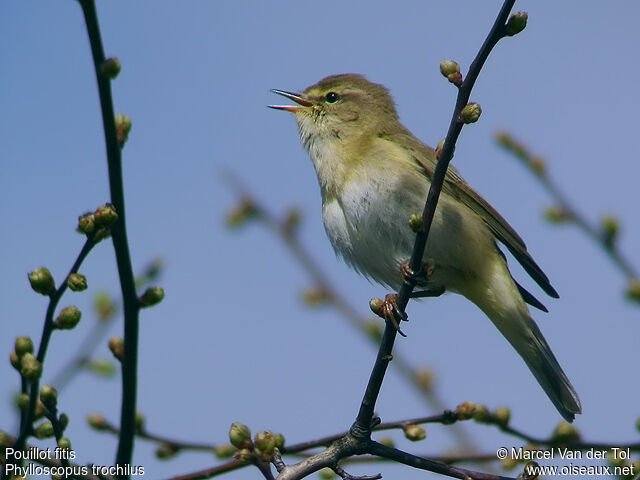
(456,186)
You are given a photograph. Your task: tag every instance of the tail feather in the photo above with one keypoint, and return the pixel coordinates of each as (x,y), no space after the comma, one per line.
(545,367)
(503,304)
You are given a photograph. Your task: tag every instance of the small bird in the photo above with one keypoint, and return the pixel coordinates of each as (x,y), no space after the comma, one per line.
(374,174)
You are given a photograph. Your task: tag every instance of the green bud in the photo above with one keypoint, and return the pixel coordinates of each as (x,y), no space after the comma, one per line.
(415,433)
(509,143)
(165,451)
(470,113)
(151,296)
(638,424)
(501,416)
(140,422)
(104,306)
(68,318)
(240,435)
(40,411)
(538,165)
(64,420)
(105,215)
(465,411)
(30,367)
(23,345)
(48,395)
(244,455)
(77,282)
(633,290)
(104,368)
(376,304)
(22,401)
(44,430)
(314,296)
(291,221)
(97,422)
(509,464)
(415,222)
(447,67)
(481,414)
(614,458)
(387,441)
(224,451)
(565,432)
(116,345)
(64,443)
(373,329)
(264,441)
(101,234)
(42,281)
(278,440)
(451,70)
(110,67)
(123,127)
(556,215)
(86,223)
(245,210)
(610,228)
(264,444)
(326,474)
(516,23)
(424,378)
(15,360)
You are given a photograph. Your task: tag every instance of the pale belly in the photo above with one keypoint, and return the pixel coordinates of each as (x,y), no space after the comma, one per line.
(373,235)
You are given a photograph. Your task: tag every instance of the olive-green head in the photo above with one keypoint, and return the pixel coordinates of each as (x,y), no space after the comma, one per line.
(341,107)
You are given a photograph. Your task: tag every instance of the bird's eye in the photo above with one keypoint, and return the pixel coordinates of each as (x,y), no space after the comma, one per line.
(332,97)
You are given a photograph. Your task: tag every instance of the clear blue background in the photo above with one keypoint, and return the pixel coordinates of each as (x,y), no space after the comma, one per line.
(232,341)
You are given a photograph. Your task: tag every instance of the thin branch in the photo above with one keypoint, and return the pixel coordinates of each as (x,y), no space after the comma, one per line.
(120,243)
(27,416)
(357,441)
(213,471)
(175,444)
(249,204)
(430,465)
(498,31)
(567,210)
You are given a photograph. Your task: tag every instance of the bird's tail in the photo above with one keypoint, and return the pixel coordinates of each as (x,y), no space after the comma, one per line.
(506,309)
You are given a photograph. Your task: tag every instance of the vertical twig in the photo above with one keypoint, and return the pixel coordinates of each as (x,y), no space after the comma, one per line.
(120,243)
(365,415)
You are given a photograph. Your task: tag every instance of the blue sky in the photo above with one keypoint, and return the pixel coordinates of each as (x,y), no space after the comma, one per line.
(232,341)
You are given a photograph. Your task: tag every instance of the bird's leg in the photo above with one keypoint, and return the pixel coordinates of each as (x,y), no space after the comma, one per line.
(392,314)
(421,277)
(388,310)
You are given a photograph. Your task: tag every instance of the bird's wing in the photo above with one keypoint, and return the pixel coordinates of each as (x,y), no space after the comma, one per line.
(459,189)
(504,232)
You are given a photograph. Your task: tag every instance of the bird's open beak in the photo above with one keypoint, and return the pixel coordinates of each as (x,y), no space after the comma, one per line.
(291,96)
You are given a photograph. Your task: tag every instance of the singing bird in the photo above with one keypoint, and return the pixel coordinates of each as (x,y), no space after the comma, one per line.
(374,174)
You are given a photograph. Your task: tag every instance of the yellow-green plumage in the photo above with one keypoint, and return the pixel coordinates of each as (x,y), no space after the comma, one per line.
(374,174)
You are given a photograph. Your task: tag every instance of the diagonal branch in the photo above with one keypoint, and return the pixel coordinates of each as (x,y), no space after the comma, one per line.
(498,31)
(428,464)
(120,242)
(28,415)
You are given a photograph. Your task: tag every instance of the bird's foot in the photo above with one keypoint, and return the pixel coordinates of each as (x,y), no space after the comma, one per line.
(419,277)
(389,311)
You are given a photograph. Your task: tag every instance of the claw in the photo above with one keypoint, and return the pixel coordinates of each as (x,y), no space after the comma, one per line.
(392,314)
(421,277)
